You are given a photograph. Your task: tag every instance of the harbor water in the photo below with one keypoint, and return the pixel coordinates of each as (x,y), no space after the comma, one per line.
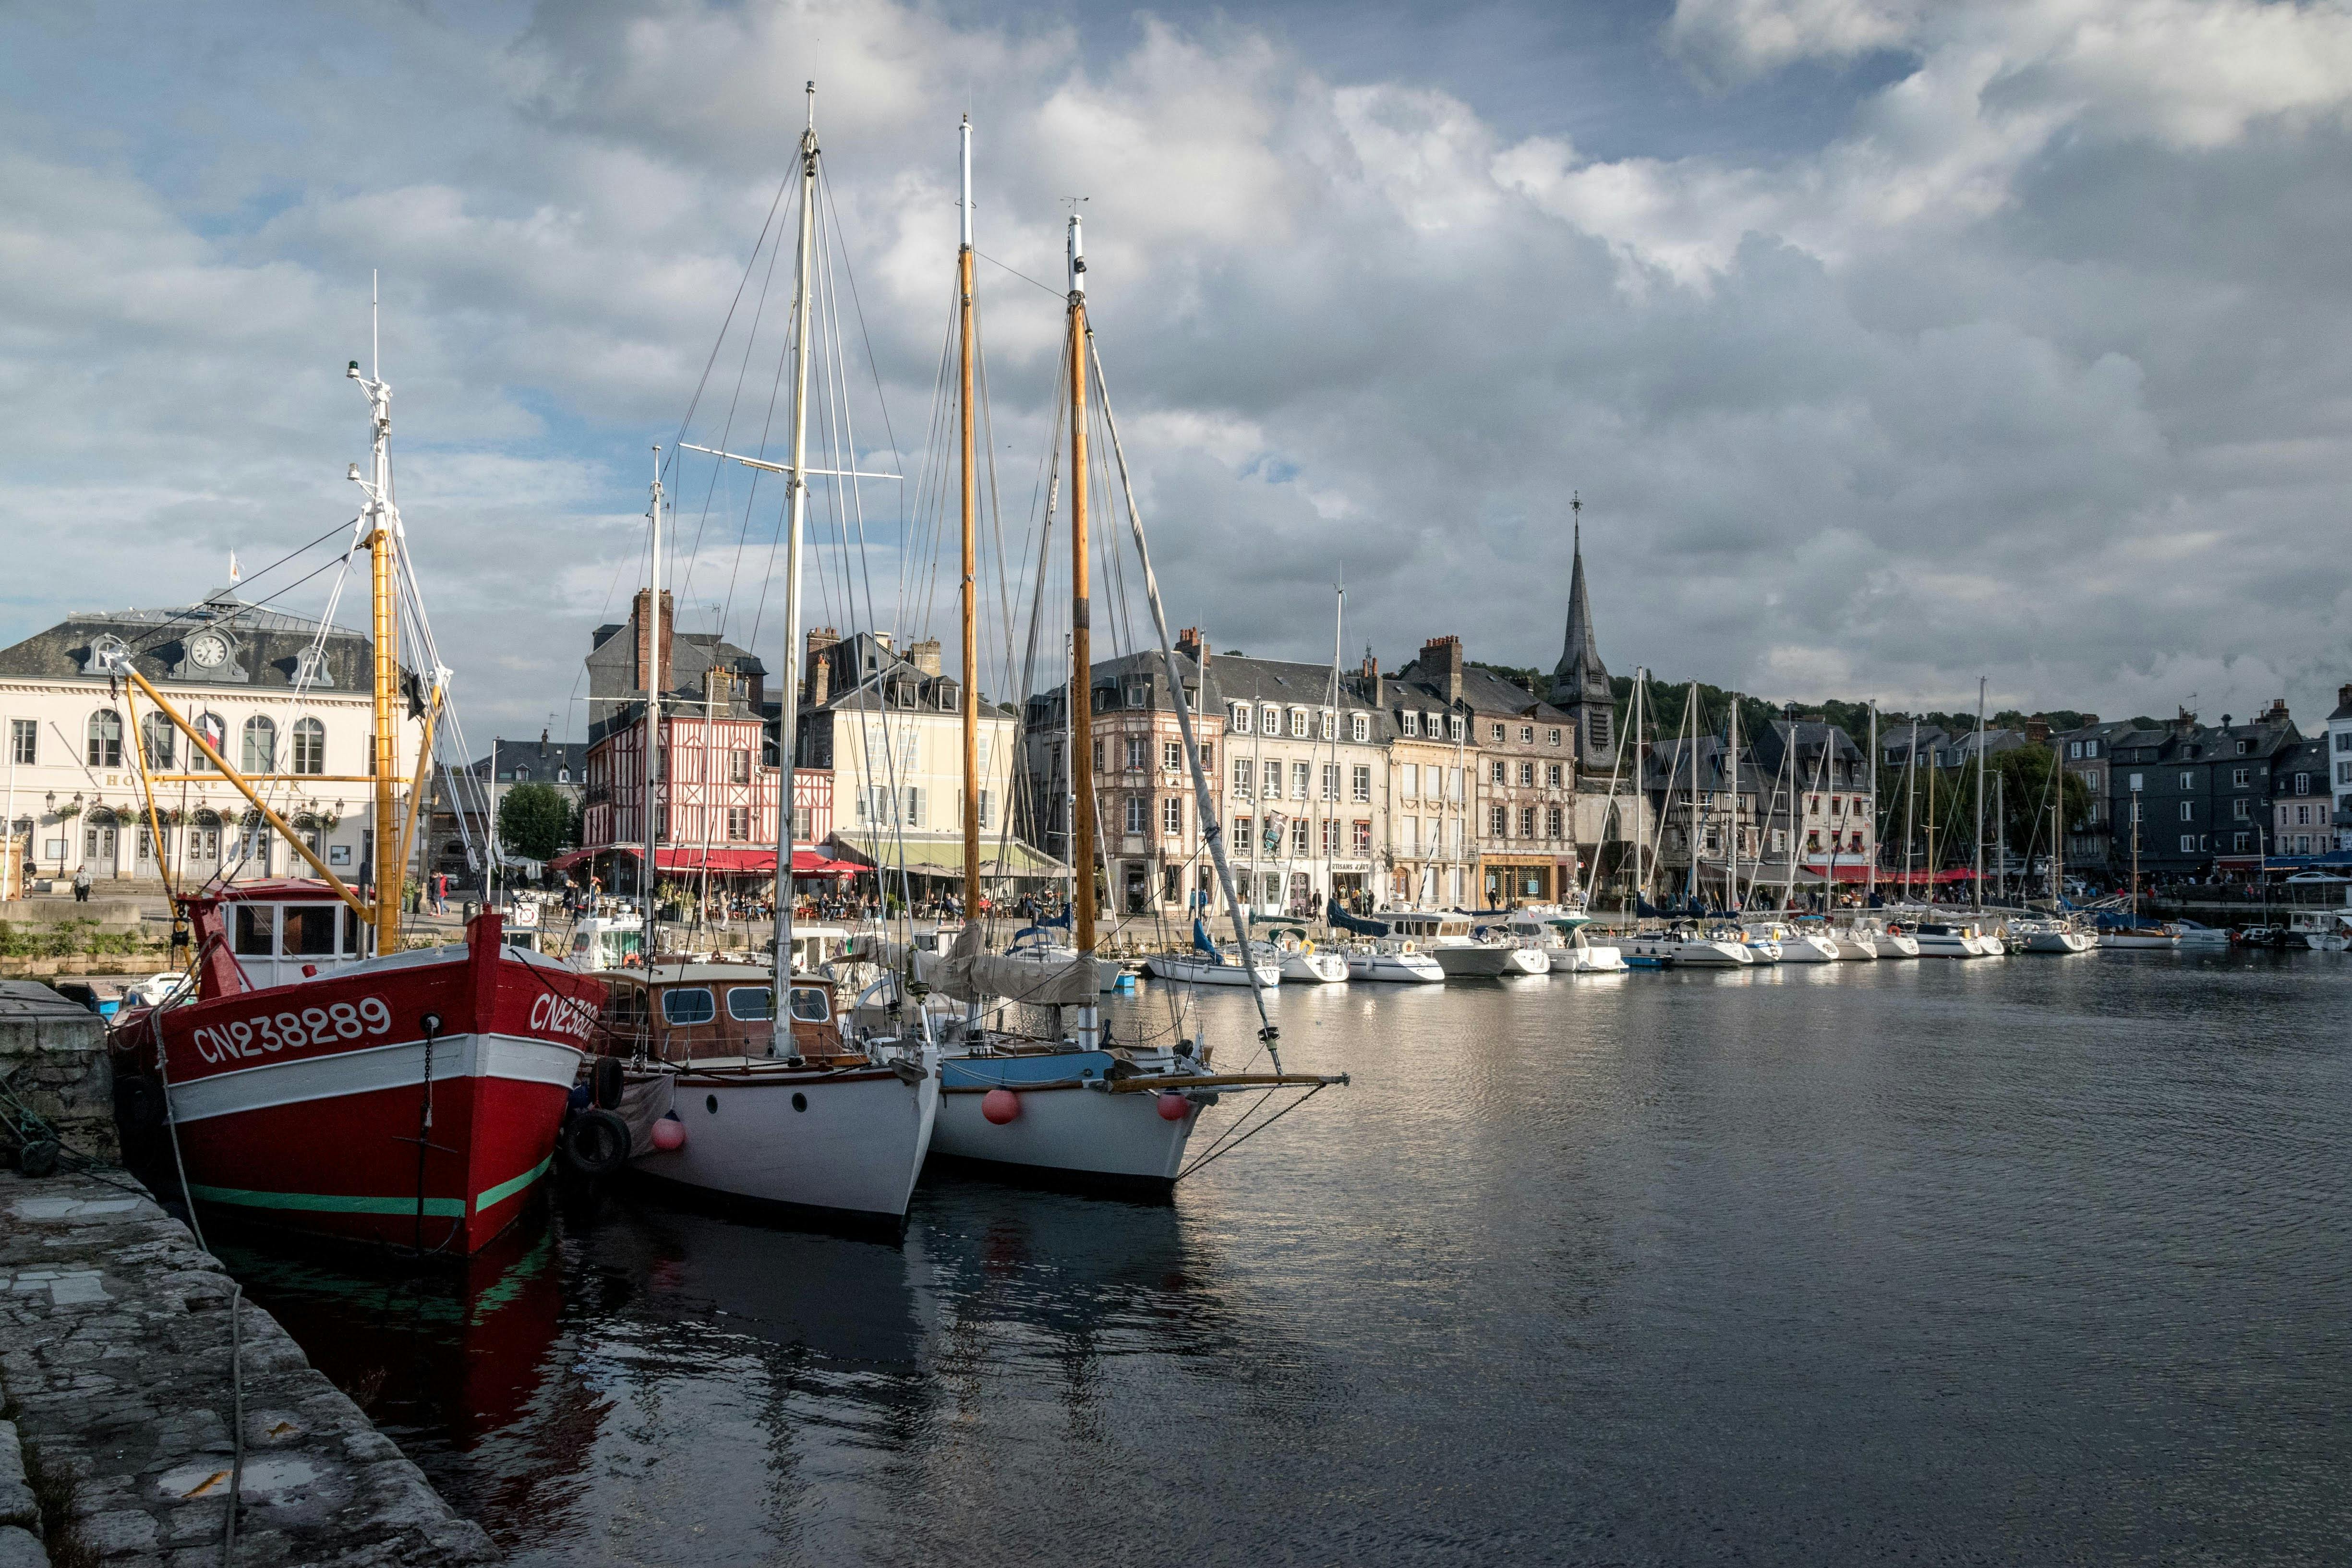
(2034,1259)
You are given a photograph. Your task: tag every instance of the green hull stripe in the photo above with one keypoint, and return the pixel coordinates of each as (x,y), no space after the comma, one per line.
(329,1203)
(505,1189)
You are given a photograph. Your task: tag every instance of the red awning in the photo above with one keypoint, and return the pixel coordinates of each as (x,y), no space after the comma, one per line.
(805,862)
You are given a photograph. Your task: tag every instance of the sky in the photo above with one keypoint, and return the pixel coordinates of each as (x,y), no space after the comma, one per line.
(1889,344)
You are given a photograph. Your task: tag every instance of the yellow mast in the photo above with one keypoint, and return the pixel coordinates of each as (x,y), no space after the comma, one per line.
(971,564)
(1081,691)
(381,539)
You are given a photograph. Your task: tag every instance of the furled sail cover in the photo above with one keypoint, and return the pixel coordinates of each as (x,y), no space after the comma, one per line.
(968,974)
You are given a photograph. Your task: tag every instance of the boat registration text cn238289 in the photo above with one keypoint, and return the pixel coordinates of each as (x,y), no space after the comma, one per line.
(265,1034)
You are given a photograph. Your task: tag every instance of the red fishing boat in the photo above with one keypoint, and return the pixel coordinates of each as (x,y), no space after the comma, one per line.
(412,1099)
(320,1074)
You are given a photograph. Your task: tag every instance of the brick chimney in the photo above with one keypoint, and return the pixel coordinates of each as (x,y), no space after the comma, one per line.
(925,656)
(1375,685)
(2185,724)
(817,669)
(2037,731)
(637,617)
(1190,641)
(1442,664)
(2276,712)
(2343,695)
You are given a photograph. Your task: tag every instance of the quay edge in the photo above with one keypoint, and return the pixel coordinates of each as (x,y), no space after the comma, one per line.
(116,1370)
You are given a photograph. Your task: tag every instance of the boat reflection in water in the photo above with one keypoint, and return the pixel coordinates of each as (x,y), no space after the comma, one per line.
(623,1382)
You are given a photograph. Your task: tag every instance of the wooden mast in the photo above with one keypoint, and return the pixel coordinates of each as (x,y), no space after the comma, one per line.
(381,540)
(964,329)
(1082,768)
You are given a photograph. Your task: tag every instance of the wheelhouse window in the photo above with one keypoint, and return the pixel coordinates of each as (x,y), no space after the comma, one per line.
(809,1005)
(104,749)
(255,933)
(688,1005)
(752,1004)
(308,931)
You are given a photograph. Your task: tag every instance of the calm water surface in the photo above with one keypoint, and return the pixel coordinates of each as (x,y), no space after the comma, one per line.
(2036,1260)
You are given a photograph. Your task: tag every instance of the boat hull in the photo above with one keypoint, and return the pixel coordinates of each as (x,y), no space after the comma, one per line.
(1314,969)
(304,1107)
(1895,944)
(1064,1133)
(2058,942)
(1850,948)
(2119,939)
(838,1150)
(1479,960)
(1193,971)
(1396,968)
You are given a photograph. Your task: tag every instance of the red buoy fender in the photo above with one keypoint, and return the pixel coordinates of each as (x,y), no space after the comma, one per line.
(1000,1105)
(1174,1107)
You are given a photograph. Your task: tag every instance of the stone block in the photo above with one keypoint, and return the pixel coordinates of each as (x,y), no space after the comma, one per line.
(21,1549)
(16,1505)
(120,1531)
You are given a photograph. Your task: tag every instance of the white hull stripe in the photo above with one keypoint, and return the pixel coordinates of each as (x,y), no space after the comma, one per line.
(304,1080)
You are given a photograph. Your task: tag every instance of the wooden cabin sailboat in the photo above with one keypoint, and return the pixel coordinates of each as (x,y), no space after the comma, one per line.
(318,1078)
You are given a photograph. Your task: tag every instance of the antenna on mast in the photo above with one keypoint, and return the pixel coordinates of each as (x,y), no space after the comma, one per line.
(375,330)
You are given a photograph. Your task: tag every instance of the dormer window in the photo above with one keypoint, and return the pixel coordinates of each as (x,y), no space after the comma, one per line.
(563,776)
(1409,722)
(1139,694)
(1359,727)
(1298,723)
(947,695)
(1453,727)
(1241,716)
(1330,725)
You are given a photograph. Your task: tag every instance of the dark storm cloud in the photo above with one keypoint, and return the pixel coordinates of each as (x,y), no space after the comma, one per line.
(2018,350)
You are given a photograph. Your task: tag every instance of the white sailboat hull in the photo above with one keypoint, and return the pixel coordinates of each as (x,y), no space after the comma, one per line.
(1894,944)
(843,1145)
(2059,942)
(1396,968)
(1589,961)
(1314,969)
(1475,959)
(1200,971)
(2126,939)
(1850,947)
(1075,1132)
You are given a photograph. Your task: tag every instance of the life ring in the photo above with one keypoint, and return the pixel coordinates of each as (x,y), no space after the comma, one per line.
(595,1143)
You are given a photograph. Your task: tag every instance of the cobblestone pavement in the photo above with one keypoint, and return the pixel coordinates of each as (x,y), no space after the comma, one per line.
(114,1350)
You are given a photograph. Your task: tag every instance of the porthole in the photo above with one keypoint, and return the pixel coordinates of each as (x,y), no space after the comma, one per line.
(800,1100)
(711,1103)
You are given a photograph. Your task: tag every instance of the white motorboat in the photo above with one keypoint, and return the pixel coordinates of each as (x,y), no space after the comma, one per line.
(2195,935)
(1448,938)
(1585,956)
(1291,952)
(1943,939)
(2049,936)
(1760,948)
(1389,960)
(2322,931)
(1794,945)
(834,1132)
(1685,949)
(1889,940)
(1852,942)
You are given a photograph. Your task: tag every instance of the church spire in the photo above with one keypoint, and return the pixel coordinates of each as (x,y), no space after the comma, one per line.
(1580,682)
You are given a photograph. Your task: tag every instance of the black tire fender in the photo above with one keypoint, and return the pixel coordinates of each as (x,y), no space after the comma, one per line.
(138,1104)
(605,1079)
(595,1142)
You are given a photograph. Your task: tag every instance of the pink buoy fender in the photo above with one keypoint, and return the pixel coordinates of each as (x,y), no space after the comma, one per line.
(1174,1107)
(1000,1105)
(670,1134)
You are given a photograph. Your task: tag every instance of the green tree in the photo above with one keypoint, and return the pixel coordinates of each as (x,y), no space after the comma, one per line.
(535,821)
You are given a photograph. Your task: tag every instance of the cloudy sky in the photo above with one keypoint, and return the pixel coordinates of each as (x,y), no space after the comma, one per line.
(1889,343)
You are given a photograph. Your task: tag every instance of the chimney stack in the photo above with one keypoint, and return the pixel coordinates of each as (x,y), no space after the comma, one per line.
(817,667)
(925,656)
(1190,641)
(637,617)
(1442,664)
(2037,731)
(2277,713)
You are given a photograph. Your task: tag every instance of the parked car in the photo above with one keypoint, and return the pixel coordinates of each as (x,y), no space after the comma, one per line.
(2305,877)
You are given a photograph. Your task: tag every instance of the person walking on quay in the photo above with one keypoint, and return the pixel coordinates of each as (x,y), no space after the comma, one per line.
(81,886)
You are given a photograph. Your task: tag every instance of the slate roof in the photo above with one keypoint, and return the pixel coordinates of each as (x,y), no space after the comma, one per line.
(265,646)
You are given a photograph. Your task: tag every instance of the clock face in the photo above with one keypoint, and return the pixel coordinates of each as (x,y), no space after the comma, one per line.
(209,651)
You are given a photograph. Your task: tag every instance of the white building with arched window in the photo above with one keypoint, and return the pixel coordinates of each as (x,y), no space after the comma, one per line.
(277,701)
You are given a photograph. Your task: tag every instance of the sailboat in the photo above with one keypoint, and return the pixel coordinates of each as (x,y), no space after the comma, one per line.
(1078,1109)
(318,1078)
(797,1120)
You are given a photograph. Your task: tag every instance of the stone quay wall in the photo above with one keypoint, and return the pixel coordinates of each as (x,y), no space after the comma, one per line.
(117,1368)
(53,1061)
